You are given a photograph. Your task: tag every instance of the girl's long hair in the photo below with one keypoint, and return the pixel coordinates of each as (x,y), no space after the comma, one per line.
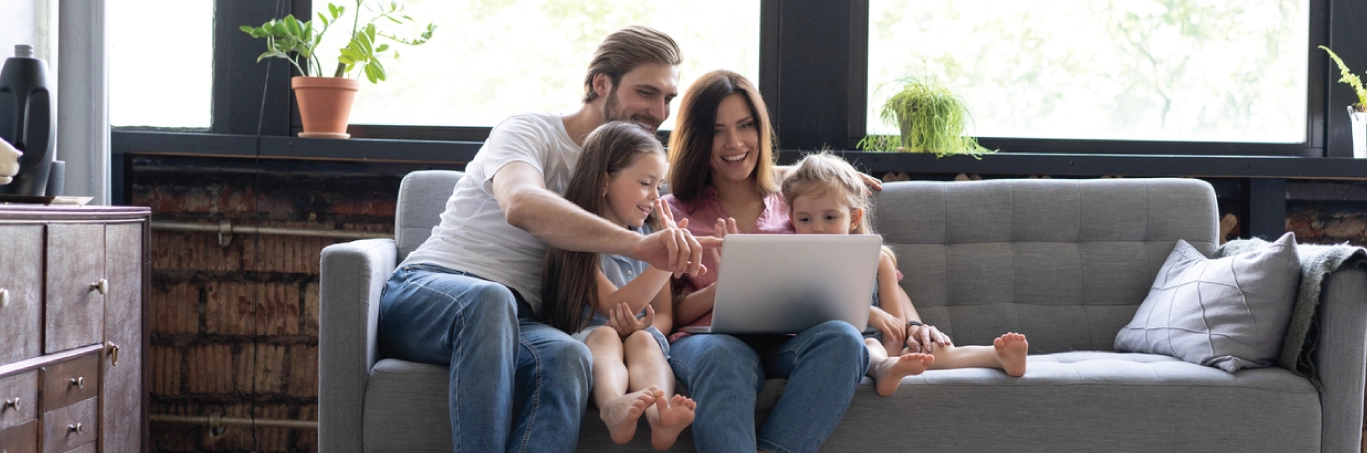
(820,173)
(569,279)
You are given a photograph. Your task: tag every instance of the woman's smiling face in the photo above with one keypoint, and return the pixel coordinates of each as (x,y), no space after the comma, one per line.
(736,141)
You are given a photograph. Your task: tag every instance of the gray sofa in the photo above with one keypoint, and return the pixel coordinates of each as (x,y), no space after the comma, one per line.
(1065,262)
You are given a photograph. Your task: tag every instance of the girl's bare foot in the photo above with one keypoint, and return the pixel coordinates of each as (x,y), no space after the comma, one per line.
(1011,351)
(888,375)
(622,413)
(674,414)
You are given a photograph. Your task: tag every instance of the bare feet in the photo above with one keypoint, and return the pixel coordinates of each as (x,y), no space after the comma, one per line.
(674,414)
(888,375)
(1011,351)
(622,413)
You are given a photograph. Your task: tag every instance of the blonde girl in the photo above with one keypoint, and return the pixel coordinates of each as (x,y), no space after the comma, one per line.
(619,306)
(825,195)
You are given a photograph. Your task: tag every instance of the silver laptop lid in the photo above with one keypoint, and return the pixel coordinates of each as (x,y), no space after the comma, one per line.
(786,283)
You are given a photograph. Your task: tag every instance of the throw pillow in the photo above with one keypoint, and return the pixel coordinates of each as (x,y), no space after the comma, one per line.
(1229,313)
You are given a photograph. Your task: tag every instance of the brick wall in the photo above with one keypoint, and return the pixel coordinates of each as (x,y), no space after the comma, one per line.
(234,328)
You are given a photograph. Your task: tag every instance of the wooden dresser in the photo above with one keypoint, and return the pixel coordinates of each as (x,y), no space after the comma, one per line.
(73,291)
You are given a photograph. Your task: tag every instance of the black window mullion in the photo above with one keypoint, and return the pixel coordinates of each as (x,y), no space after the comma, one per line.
(239,80)
(1348,39)
(815,39)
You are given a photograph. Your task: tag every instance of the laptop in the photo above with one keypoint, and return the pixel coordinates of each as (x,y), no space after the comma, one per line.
(786,283)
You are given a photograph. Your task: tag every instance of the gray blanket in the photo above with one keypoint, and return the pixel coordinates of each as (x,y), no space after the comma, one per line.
(1316,261)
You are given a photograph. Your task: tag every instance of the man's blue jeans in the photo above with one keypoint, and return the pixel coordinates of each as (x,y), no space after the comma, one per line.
(724,373)
(516,384)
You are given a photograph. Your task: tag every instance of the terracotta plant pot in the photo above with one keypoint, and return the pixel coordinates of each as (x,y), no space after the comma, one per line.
(324,104)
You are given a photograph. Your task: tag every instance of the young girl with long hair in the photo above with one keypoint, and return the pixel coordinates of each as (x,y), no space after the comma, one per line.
(619,306)
(825,195)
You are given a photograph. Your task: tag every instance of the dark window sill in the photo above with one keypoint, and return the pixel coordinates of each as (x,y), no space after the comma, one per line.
(1001,164)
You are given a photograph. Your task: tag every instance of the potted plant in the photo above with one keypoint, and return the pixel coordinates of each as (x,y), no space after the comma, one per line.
(1357,111)
(931,119)
(325,102)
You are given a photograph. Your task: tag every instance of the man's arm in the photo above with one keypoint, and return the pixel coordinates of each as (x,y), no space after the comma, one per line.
(527,204)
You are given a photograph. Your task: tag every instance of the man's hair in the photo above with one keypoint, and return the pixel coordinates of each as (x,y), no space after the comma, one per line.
(625,49)
(568,278)
(690,145)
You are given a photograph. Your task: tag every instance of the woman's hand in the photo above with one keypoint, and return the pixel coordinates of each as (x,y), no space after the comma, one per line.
(871,182)
(923,338)
(625,322)
(724,227)
(894,330)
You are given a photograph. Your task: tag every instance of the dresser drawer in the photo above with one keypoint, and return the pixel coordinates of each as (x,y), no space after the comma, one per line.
(20,439)
(71,381)
(71,426)
(18,399)
(75,295)
(87,448)
(21,292)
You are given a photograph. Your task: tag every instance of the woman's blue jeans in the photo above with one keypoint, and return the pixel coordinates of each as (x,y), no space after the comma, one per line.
(724,374)
(516,384)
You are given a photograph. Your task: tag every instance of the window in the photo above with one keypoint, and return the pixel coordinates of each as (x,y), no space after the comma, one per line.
(489,59)
(32,22)
(160,65)
(1161,70)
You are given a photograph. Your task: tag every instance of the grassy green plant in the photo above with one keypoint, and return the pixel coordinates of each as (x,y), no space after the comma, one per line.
(1351,79)
(293,40)
(931,118)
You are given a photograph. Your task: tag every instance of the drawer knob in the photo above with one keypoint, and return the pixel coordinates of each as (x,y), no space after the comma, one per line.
(4,297)
(102,286)
(78,382)
(76,428)
(14,403)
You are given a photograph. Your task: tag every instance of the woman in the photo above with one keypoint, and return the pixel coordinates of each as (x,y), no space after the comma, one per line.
(724,180)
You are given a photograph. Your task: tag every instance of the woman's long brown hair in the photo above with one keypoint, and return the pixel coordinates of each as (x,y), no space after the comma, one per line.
(569,279)
(690,145)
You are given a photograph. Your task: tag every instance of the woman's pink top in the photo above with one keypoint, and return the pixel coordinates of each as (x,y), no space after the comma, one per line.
(702,214)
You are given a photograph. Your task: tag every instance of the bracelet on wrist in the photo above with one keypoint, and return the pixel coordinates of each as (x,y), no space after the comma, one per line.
(914,323)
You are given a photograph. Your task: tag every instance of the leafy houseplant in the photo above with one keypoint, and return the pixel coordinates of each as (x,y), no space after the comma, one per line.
(1352,80)
(1357,111)
(327,100)
(931,118)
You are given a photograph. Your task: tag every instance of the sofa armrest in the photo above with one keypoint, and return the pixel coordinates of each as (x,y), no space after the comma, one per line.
(1341,358)
(352,274)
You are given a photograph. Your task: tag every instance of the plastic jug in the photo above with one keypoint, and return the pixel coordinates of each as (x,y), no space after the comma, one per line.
(26,120)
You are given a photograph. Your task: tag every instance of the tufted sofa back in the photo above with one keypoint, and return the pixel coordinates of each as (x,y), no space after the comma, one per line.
(1065,262)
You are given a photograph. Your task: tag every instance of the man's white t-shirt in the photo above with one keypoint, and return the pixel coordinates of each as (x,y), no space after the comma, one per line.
(474,235)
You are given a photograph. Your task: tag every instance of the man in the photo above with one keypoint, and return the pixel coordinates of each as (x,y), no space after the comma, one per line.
(469,296)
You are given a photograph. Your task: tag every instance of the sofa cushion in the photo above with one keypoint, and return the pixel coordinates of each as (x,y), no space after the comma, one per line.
(1229,313)
(1071,401)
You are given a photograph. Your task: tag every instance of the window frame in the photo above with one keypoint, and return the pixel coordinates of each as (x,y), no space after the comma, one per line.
(813,56)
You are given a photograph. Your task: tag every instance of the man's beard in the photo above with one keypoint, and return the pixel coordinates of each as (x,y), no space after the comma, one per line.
(612,111)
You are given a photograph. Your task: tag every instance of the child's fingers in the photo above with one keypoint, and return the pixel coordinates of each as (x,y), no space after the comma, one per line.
(666,216)
(624,315)
(649,318)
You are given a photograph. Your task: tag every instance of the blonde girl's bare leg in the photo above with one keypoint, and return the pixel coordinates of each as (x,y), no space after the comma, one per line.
(618,409)
(649,369)
(887,372)
(1007,353)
